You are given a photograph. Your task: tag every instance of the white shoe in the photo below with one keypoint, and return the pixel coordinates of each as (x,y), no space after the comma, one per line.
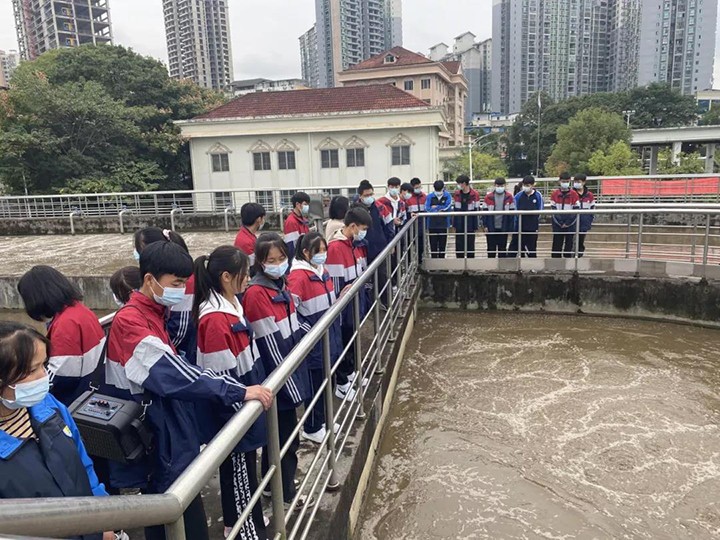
(343,390)
(352,376)
(319,435)
(302,501)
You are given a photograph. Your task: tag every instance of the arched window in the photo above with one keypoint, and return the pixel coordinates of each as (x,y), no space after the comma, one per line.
(355,151)
(261,156)
(219,157)
(286,154)
(329,153)
(400,149)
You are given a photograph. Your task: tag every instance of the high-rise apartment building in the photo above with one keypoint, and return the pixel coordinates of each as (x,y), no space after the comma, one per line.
(198,42)
(309,58)
(9,60)
(350,31)
(575,47)
(43,25)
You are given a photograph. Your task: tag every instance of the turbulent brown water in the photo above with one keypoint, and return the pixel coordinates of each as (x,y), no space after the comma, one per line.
(534,426)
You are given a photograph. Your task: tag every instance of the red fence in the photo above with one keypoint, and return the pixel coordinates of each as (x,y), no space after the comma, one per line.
(657,187)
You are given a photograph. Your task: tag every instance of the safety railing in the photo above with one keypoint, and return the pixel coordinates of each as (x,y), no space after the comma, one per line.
(618,232)
(648,189)
(376,302)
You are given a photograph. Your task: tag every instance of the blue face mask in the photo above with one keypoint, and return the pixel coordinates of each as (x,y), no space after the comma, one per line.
(418,191)
(367,201)
(171,296)
(393,192)
(28,394)
(276,271)
(360,236)
(136,255)
(319,259)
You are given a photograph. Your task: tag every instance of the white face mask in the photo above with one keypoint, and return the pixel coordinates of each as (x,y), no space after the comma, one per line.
(499,190)
(564,185)
(393,192)
(418,191)
(171,296)
(407,196)
(439,194)
(577,185)
(527,189)
(28,394)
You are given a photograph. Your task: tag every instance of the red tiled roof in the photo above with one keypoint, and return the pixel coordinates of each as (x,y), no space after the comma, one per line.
(373,97)
(402,55)
(452,66)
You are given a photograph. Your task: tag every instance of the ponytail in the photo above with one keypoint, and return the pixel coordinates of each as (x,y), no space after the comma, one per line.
(208,271)
(310,242)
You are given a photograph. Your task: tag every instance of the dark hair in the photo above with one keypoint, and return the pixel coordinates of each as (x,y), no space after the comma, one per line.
(312,242)
(439,185)
(364,186)
(339,207)
(500,181)
(358,216)
(17,349)
(263,245)
(144,237)
(209,270)
(250,212)
(300,197)
(46,292)
(125,281)
(463,179)
(565,176)
(164,258)
(581,177)
(529,179)
(407,187)
(415,181)
(394,181)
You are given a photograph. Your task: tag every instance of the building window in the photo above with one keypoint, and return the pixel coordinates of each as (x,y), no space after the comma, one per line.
(265,199)
(286,197)
(223,200)
(286,160)
(220,163)
(355,157)
(425,84)
(329,159)
(409,85)
(400,155)
(261,161)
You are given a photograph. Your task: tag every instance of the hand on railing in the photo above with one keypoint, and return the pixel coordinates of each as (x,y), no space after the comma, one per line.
(259,393)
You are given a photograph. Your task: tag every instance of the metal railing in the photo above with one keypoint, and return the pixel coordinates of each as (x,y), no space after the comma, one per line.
(392,278)
(204,202)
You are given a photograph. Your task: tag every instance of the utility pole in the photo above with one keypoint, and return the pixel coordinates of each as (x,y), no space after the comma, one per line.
(628,113)
(537,160)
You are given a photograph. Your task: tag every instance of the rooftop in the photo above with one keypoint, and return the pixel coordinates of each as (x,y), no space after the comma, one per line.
(375,97)
(403,57)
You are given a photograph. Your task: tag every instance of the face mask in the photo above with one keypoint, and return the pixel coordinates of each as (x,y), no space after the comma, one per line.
(418,191)
(393,192)
(319,259)
(276,271)
(577,185)
(499,189)
(367,201)
(527,189)
(28,394)
(136,255)
(117,301)
(407,196)
(305,209)
(439,194)
(360,236)
(564,185)
(171,296)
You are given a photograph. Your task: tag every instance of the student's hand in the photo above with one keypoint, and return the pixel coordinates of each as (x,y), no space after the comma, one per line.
(108,535)
(397,221)
(413,214)
(259,393)
(344,291)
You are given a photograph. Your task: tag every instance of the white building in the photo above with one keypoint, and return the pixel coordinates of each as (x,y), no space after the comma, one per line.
(272,141)
(9,61)
(249,86)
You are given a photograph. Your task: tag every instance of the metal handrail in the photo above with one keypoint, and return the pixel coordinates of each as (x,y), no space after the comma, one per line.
(84,515)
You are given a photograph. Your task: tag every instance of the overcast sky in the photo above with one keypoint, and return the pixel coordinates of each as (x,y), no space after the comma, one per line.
(265,32)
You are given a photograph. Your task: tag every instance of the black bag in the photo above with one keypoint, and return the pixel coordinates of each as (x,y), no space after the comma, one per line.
(110,427)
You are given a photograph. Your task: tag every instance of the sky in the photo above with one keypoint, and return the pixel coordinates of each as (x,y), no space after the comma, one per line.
(265,32)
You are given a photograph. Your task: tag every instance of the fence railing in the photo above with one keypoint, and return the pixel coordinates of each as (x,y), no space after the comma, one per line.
(391,281)
(648,189)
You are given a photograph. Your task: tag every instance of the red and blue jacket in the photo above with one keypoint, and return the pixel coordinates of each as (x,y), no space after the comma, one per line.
(245,241)
(587,202)
(564,200)
(346,261)
(389,214)
(416,204)
(226,346)
(53,465)
(508,220)
(313,291)
(472,201)
(76,344)
(180,324)
(295,226)
(141,357)
(270,309)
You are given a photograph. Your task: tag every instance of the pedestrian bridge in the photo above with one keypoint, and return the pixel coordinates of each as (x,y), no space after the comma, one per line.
(633,267)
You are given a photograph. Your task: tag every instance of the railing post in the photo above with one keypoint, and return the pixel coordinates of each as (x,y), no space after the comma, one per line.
(519,243)
(376,310)
(333,483)
(627,237)
(639,240)
(577,240)
(175,530)
(466,253)
(172,217)
(282,219)
(227,222)
(72,220)
(706,244)
(121,215)
(359,394)
(276,486)
(388,284)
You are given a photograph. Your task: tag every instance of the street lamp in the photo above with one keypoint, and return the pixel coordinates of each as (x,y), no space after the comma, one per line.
(628,113)
(472,143)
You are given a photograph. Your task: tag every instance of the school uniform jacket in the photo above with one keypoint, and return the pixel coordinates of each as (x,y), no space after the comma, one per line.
(314,293)
(489,206)
(564,200)
(245,241)
(140,356)
(293,229)
(346,261)
(378,235)
(227,347)
(587,202)
(474,205)
(180,324)
(433,203)
(54,465)
(271,312)
(416,204)
(76,344)
(523,201)
(387,214)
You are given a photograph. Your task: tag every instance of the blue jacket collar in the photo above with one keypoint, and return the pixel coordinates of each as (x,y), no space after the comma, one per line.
(40,413)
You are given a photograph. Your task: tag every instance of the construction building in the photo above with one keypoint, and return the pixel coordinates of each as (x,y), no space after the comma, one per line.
(198,42)
(43,25)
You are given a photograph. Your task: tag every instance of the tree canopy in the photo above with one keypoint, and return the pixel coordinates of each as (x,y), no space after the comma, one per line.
(617,160)
(684,163)
(484,165)
(96,118)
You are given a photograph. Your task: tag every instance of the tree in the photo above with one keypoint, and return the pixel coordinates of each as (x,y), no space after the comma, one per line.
(587,132)
(98,119)
(659,105)
(683,164)
(484,165)
(617,160)
(710,118)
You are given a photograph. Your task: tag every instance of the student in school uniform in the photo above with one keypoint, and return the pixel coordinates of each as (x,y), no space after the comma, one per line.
(466,199)
(252,216)
(497,228)
(587,202)
(296,223)
(563,225)
(439,201)
(415,205)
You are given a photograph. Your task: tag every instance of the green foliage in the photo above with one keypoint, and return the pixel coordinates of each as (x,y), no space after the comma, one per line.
(685,163)
(617,160)
(587,132)
(484,165)
(96,119)
(711,117)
